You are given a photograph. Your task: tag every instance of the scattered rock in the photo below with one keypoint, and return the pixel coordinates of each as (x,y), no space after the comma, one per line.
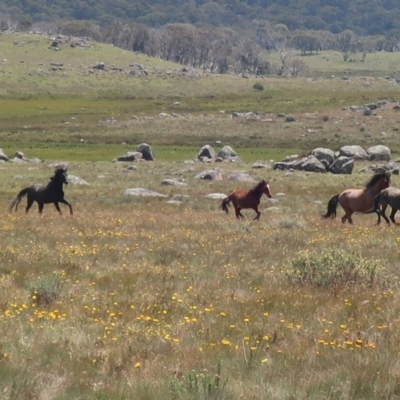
(76,180)
(210,174)
(142,192)
(131,168)
(241,177)
(129,156)
(173,182)
(260,164)
(216,196)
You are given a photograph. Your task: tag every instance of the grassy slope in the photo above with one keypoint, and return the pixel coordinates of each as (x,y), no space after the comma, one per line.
(39,107)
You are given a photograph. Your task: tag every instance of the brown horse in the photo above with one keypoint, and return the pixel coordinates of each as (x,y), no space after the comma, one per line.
(51,193)
(358,200)
(247,199)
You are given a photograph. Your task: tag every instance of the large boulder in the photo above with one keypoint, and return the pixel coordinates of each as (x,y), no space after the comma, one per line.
(206,152)
(147,153)
(226,153)
(342,165)
(379,153)
(312,164)
(324,154)
(354,151)
(3,156)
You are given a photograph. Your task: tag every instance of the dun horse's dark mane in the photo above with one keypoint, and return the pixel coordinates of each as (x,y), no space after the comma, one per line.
(376,178)
(258,189)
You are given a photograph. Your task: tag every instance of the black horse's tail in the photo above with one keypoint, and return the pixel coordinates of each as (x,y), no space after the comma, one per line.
(225,204)
(18,199)
(332,206)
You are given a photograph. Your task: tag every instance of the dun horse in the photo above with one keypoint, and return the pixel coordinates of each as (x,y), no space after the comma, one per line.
(247,199)
(387,197)
(51,193)
(358,200)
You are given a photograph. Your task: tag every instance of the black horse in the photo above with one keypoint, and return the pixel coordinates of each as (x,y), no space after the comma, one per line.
(51,193)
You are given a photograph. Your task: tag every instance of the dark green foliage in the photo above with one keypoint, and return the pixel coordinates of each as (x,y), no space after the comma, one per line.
(258,86)
(368,17)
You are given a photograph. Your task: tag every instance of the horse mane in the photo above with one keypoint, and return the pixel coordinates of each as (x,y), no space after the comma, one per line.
(57,173)
(376,178)
(258,189)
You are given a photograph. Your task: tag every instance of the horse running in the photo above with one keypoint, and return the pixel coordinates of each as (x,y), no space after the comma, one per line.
(247,199)
(387,197)
(358,200)
(51,193)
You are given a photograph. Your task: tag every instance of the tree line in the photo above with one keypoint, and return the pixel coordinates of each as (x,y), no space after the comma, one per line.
(220,49)
(366,17)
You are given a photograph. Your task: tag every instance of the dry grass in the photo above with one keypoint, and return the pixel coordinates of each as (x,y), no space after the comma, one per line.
(137,298)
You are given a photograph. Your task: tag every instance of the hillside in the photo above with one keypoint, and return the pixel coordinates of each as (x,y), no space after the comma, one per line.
(367,17)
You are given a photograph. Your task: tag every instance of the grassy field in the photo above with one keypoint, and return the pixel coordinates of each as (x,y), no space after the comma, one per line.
(138,298)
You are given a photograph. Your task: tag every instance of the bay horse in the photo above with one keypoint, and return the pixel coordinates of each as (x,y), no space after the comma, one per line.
(387,197)
(247,199)
(51,193)
(358,200)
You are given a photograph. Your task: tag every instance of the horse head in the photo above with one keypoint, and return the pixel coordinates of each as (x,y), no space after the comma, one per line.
(60,175)
(385,180)
(266,189)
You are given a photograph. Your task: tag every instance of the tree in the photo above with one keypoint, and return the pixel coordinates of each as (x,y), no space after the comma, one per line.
(346,41)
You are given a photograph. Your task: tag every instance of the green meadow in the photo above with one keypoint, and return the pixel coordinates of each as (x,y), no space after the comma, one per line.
(143,298)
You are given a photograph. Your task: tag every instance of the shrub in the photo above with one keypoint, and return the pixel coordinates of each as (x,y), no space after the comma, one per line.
(367,111)
(290,118)
(45,290)
(199,386)
(258,86)
(332,269)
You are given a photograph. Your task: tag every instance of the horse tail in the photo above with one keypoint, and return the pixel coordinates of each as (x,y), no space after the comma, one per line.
(332,205)
(225,204)
(18,199)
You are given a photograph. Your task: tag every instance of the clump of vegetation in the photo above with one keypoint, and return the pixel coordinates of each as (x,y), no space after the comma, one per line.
(290,118)
(258,86)
(325,118)
(195,385)
(332,269)
(45,290)
(367,111)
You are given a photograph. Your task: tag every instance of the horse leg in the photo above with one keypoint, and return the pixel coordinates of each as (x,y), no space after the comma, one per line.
(348,214)
(258,213)
(40,208)
(63,201)
(383,209)
(392,214)
(28,204)
(237,210)
(57,207)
